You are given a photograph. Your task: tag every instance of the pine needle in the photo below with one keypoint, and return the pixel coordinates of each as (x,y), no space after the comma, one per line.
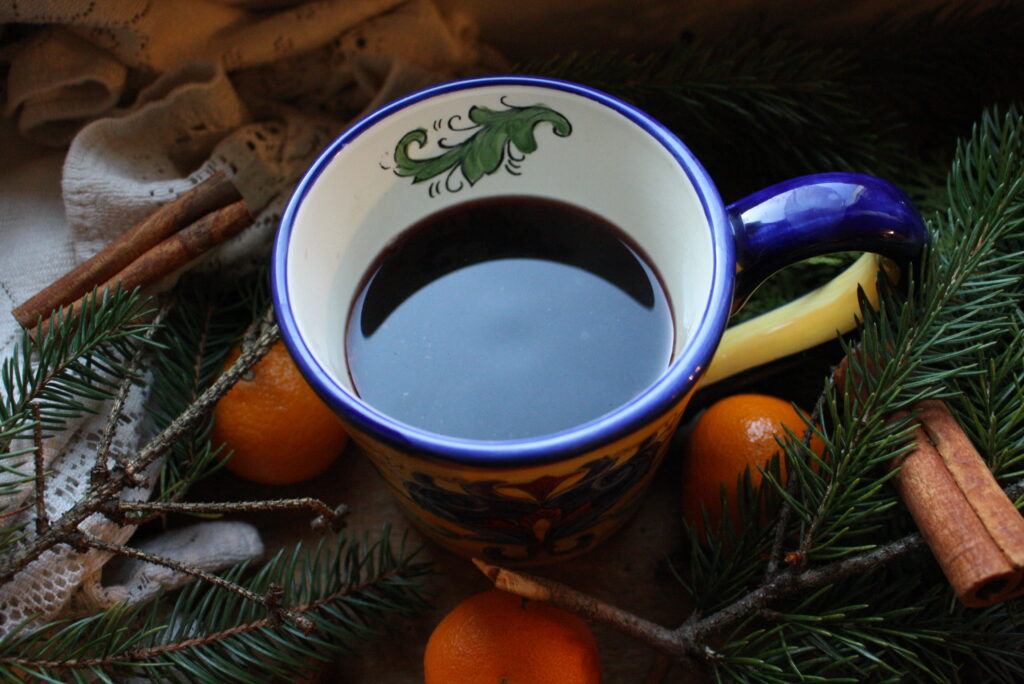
(349,590)
(208,319)
(954,333)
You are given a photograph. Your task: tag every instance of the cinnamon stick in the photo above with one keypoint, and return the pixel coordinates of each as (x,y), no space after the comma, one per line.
(974,478)
(1000,518)
(971,526)
(176,251)
(214,193)
(970,559)
(973,529)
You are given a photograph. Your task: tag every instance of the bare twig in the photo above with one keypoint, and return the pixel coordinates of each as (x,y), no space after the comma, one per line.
(99,469)
(778,542)
(584,605)
(328,518)
(271,601)
(690,639)
(42,519)
(99,493)
(691,635)
(267,334)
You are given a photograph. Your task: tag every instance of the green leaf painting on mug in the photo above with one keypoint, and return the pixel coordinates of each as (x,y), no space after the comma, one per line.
(499,137)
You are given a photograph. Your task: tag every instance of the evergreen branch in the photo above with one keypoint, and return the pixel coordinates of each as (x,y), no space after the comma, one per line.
(100,468)
(207,321)
(40,653)
(786,584)
(212,634)
(97,495)
(792,487)
(76,357)
(937,340)
(48,378)
(868,629)
(993,404)
(269,600)
(976,46)
(757,107)
(914,347)
(691,640)
(262,335)
(802,107)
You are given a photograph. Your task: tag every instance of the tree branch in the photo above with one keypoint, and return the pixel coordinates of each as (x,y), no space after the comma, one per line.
(328,518)
(252,352)
(555,593)
(787,583)
(689,640)
(778,554)
(271,601)
(100,469)
(100,493)
(155,652)
(42,518)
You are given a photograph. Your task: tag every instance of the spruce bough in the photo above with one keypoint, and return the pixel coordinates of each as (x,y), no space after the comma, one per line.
(953,331)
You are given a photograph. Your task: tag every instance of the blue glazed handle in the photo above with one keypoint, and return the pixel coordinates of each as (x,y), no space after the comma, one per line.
(821,214)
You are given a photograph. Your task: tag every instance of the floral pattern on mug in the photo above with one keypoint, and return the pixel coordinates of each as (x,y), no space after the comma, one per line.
(499,138)
(548,516)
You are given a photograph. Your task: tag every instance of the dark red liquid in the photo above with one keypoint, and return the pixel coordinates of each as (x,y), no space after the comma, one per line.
(507,318)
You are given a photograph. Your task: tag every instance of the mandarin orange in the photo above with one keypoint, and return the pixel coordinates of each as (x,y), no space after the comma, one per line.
(734,434)
(498,638)
(278,429)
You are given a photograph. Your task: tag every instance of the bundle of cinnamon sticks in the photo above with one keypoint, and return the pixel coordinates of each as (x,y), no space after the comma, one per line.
(165,241)
(973,529)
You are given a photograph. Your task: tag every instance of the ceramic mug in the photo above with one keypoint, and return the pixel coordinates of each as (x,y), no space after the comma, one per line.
(545,498)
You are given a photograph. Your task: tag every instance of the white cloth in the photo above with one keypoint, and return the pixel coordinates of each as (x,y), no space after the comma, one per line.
(205,546)
(152,105)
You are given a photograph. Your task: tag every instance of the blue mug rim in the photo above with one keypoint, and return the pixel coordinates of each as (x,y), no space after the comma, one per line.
(680,378)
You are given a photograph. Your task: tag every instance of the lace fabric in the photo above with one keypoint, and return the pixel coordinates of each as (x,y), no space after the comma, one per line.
(243,87)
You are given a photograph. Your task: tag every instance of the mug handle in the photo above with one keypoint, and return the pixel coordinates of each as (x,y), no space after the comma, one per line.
(801,218)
